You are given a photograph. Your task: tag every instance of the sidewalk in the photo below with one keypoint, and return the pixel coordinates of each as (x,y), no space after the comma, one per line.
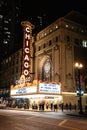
(76,113)
(67,112)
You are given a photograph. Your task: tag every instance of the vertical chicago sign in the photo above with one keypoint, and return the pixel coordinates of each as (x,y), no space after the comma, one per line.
(27,42)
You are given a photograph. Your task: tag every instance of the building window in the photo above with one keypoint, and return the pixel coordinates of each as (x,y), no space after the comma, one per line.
(12,71)
(45,34)
(84,43)
(16,69)
(66,25)
(16,61)
(46,71)
(50,42)
(56,26)
(13,63)
(76,41)
(56,39)
(39,48)
(68,39)
(50,30)
(44,45)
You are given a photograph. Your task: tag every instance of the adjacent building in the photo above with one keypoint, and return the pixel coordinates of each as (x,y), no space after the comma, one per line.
(10,28)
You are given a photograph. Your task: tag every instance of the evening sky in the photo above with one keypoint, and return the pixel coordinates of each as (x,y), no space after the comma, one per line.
(53,9)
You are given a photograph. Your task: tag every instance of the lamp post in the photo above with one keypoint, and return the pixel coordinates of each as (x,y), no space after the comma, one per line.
(79,88)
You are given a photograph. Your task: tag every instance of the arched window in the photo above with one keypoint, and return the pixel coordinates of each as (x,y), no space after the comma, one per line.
(46,71)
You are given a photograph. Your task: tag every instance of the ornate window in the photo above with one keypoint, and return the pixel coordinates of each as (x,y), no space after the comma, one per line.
(46,72)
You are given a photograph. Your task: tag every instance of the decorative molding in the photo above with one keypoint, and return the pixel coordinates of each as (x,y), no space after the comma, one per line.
(69,76)
(56,47)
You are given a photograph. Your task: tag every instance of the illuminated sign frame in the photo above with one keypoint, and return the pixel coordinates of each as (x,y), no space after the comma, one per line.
(49,88)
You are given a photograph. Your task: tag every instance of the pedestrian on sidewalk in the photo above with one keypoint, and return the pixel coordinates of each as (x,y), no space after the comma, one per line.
(47,105)
(51,106)
(62,106)
(70,106)
(55,107)
(66,106)
(75,106)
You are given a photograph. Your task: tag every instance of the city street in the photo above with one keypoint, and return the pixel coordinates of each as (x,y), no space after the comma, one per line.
(29,120)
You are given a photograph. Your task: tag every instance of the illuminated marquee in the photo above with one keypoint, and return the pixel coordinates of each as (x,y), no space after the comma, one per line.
(49,88)
(24,90)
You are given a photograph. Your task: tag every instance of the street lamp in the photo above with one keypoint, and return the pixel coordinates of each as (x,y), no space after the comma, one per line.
(79,88)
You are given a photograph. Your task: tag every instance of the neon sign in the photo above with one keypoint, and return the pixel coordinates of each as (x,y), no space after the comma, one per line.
(26,66)
(27,52)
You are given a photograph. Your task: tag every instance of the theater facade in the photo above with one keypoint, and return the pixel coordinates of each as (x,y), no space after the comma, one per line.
(35,89)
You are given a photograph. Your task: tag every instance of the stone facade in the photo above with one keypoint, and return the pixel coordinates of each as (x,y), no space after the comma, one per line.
(56,45)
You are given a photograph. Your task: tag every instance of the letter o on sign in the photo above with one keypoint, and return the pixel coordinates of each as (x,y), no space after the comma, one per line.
(26,72)
(26,65)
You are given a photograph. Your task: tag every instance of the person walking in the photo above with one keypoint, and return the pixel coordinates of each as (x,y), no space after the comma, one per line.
(62,106)
(55,107)
(70,106)
(66,106)
(75,107)
(51,106)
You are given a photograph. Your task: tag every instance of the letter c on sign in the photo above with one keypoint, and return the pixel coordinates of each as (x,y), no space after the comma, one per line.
(27,30)
(27,50)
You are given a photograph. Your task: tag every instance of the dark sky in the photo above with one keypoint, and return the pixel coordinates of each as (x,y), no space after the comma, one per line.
(53,9)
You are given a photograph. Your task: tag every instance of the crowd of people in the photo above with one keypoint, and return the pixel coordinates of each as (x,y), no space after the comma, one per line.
(41,106)
(56,107)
